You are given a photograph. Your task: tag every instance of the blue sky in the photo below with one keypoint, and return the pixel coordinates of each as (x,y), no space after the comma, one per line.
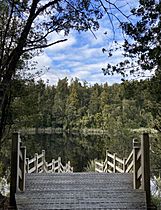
(81,55)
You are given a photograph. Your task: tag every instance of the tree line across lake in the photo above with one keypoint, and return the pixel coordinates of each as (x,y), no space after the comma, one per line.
(75,105)
(118,109)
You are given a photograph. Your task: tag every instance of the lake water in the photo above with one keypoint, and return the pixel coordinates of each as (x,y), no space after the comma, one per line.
(79,149)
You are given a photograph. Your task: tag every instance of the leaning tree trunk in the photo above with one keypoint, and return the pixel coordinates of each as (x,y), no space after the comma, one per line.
(5,99)
(9,69)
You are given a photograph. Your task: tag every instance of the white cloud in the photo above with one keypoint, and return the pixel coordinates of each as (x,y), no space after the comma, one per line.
(42,60)
(59,57)
(80,56)
(62,45)
(99,36)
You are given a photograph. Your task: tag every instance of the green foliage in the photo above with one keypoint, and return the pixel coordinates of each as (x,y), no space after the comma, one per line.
(75,106)
(142,43)
(156,194)
(118,110)
(156,201)
(90,166)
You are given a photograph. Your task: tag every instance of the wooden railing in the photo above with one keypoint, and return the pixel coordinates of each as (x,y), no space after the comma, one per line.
(18,159)
(137,163)
(114,164)
(38,164)
(21,165)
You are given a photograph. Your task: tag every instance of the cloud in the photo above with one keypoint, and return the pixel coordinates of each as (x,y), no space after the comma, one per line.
(81,55)
(74,60)
(42,60)
(62,45)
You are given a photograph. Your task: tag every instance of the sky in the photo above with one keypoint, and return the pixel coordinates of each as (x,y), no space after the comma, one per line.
(81,56)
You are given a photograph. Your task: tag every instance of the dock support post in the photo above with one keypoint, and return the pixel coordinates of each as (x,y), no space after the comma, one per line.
(27,165)
(14,168)
(136,165)
(145,162)
(23,168)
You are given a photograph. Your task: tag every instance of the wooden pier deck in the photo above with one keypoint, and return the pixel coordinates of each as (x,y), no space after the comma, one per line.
(116,184)
(80,191)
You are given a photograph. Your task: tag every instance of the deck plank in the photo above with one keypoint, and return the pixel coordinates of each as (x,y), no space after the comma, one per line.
(80,191)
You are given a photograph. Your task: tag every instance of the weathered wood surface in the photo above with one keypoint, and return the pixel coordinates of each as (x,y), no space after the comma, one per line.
(38,164)
(137,163)
(80,191)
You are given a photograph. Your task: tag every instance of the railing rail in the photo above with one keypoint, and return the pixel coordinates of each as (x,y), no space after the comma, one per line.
(21,165)
(38,164)
(18,157)
(137,163)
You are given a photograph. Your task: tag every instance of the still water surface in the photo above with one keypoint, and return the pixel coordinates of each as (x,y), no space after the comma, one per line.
(79,149)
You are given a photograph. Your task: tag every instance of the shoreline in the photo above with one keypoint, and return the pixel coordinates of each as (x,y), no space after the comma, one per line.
(50,130)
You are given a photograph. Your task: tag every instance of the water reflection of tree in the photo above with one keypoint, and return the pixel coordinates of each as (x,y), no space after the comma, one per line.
(79,149)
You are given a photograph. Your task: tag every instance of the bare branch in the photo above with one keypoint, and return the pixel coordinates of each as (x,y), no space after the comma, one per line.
(44,46)
(43,8)
(40,39)
(113,28)
(117,8)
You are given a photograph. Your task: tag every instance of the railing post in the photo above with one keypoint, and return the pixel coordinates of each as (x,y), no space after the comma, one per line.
(36,163)
(27,165)
(23,168)
(59,164)
(136,148)
(124,165)
(95,166)
(14,167)
(105,167)
(53,165)
(68,167)
(44,161)
(114,162)
(145,162)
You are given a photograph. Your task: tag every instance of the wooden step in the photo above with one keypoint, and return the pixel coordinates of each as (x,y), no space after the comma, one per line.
(80,191)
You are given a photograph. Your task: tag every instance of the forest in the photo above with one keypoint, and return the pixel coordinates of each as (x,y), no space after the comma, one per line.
(72,105)
(121,111)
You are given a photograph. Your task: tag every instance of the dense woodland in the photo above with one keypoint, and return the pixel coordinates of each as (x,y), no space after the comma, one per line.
(73,105)
(77,105)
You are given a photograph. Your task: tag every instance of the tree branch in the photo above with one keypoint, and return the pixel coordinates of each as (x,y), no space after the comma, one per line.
(43,8)
(5,34)
(113,28)
(44,46)
(40,39)
(117,8)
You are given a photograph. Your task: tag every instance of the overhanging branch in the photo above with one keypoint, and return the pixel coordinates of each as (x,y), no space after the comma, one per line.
(44,46)
(43,8)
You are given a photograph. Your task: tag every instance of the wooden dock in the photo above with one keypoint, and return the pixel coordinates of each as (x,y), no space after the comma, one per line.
(117,183)
(80,191)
